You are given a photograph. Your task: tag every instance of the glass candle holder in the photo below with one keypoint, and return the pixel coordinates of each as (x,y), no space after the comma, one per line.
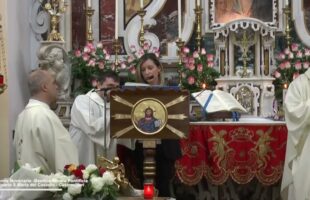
(148,190)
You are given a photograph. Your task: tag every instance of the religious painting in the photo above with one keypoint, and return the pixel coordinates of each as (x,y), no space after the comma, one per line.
(307,14)
(131,8)
(166,28)
(171,75)
(301,16)
(149,113)
(230,10)
(149,116)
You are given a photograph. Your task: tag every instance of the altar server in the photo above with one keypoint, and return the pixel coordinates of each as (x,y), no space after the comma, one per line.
(296,175)
(90,121)
(40,138)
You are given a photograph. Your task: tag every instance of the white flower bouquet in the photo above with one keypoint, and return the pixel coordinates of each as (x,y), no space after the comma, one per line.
(87,182)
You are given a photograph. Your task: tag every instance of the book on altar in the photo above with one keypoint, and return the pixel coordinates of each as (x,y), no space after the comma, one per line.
(133,84)
(218,100)
(145,85)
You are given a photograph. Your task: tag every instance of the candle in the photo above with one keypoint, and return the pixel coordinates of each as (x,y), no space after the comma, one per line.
(179,18)
(89,3)
(198,3)
(284,91)
(141,4)
(1,79)
(148,191)
(116,19)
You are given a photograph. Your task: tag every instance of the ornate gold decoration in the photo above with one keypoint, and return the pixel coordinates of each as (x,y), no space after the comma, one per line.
(122,132)
(176,131)
(55,9)
(159,112)
(176,101)
(242,166)
(198,12)
(117,50)
(245,97)
(89,27)
(177,116)
(287,12)
(262,147)
(122,101)
(244,42)
(180,44)
(118,169)
(149,116)
(220,147)
(121,116)
(141,13)
(190,179)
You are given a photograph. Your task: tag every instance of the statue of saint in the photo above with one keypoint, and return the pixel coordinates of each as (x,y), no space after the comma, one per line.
(53,57)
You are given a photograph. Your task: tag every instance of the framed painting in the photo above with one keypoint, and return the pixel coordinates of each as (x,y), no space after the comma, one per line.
(301,17)
(225,11)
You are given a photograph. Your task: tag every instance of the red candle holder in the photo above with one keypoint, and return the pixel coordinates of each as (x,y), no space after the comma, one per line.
(1,79)
(148,190)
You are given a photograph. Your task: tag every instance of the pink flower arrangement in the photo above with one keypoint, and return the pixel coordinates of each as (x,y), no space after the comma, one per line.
(197,69)
(292,62)
(89,61)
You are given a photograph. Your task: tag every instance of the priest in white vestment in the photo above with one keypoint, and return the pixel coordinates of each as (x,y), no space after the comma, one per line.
(40,138)
(296,175)
(90,121)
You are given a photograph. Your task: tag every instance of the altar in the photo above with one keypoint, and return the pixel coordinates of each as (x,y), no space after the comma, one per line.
(241,151)
(222,158)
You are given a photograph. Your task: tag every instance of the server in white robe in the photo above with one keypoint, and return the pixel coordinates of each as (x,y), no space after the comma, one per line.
(296,175)
(40,138)
(90,121)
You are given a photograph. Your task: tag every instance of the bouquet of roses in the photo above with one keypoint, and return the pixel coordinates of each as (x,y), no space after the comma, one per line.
(89,181)
(132,61)
(197,70)
(88,62)
(291,62)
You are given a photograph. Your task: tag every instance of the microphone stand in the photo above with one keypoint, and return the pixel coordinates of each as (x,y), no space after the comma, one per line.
(105,122)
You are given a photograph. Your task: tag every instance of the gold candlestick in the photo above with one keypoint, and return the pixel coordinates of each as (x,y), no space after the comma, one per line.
(141,13)
(287,12)
(180,45)
(117,49)
(198,12)
(55,9)
(89,28)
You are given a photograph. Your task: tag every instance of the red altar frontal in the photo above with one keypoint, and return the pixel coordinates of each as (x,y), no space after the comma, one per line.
(238,150)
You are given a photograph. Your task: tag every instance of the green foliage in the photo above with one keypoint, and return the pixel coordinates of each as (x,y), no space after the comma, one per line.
(197,70)
(292,62)
(87,63)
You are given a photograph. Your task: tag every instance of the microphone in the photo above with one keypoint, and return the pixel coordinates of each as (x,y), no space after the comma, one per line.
(102,89)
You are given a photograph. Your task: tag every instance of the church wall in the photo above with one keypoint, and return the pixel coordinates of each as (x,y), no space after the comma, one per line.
(19,63)
(4,121)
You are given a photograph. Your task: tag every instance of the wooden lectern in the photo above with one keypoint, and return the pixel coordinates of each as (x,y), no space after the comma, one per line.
(149,114)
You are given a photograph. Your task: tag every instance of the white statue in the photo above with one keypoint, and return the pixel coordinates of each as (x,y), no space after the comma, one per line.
(54,58)
(267,101)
